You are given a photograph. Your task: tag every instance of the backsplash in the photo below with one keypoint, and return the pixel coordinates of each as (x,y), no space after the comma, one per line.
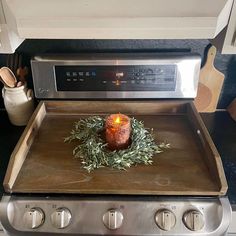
(225,63)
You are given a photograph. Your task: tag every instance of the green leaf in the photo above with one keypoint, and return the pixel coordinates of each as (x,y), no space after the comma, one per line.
(93,151)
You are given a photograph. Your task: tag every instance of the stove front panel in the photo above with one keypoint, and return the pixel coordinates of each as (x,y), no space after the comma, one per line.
(115,216)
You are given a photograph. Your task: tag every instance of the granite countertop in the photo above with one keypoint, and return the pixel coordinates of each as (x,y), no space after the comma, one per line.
(220,125)
(222,129)
(9,135)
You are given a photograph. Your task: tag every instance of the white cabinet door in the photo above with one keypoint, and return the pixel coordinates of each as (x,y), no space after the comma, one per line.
(9,39)
(226,40)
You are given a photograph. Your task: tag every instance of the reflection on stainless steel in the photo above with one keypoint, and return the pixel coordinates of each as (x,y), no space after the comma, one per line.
(119,215)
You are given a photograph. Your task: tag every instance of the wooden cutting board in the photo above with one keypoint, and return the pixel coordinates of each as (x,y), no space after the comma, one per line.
(210,84)
(232,109)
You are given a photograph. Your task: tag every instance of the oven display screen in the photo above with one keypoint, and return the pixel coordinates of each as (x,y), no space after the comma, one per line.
(116,78)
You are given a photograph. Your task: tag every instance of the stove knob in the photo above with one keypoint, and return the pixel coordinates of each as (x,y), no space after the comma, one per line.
(34,218)
(193,220)
(165,219)
(113,219)
(61,218)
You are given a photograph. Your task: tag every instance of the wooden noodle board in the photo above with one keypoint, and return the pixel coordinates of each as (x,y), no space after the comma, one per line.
(43,163)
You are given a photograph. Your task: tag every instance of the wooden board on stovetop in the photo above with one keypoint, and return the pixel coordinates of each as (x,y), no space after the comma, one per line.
(43,163)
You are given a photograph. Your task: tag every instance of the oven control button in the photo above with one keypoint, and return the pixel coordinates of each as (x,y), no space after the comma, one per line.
(193,220)
(34,218)
(165,219)
(61,218)
(113,219)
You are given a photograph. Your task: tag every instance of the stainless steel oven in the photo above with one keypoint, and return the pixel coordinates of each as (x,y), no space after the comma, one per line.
(122,78)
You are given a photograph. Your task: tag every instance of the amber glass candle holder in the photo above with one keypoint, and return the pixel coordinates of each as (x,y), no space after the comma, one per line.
(118,130)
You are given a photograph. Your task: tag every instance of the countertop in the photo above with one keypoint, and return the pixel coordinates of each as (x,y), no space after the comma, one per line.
(220,125)
(9,135)
(222,129)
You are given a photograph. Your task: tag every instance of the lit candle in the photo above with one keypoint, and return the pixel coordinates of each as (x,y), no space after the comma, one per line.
(118,131)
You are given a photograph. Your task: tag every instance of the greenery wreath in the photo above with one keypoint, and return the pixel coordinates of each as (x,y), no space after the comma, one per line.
(93,151)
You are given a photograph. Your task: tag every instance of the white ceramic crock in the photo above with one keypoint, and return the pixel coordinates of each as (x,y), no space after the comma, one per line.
(19,104)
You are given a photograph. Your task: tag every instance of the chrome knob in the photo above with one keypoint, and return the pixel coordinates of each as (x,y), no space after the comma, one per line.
(113,219)
(61,218)
(194,220)
(165,219)
(33,218)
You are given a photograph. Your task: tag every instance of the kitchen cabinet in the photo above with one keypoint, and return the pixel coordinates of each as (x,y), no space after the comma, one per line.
(9,39)
(112,19)
(123,19)
(226,40)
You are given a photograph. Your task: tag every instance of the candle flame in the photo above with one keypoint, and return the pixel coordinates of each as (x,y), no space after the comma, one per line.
(117,120)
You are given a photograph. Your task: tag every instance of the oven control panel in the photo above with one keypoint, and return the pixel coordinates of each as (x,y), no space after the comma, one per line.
(126,216)
(116,76)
